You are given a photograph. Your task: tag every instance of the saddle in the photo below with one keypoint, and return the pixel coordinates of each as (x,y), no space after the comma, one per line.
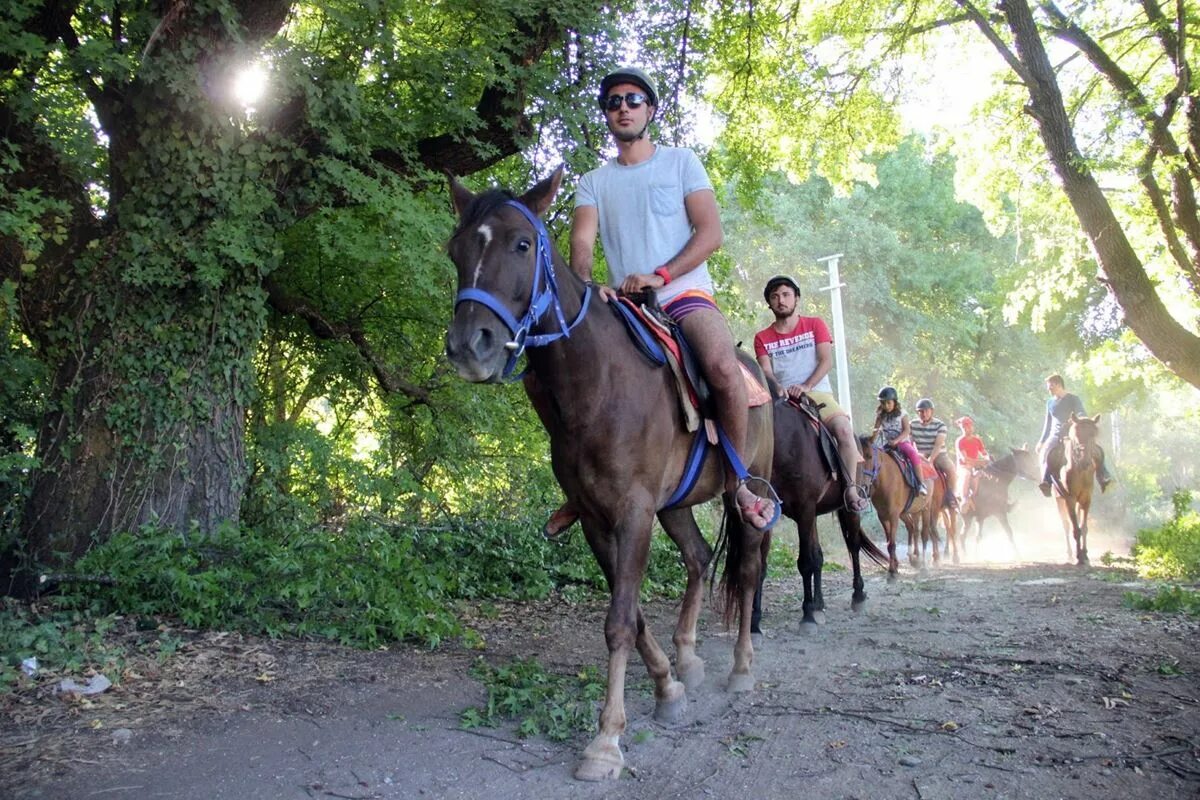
(660,340)
(911,477)
(826,443)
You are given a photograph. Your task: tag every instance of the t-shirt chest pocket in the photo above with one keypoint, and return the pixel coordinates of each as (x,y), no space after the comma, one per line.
(666,199)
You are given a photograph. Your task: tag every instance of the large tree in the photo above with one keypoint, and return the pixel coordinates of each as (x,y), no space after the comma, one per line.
(149,218)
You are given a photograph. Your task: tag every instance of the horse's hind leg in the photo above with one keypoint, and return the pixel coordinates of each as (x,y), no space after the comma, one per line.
(851,531)
(681,526)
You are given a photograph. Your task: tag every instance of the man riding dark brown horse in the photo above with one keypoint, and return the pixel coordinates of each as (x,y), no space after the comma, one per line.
(618,441)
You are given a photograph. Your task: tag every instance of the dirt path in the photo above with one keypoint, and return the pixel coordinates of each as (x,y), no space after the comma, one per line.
(1026,681)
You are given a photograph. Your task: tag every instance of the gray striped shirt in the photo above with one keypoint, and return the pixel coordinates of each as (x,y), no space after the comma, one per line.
(924,435)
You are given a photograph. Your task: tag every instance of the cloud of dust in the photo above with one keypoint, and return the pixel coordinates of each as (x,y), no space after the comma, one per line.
(1038,533)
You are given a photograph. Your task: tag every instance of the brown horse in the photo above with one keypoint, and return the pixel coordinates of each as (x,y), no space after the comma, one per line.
(807,490)
(991,494)
(1073,481)
(617,439)
(890,493)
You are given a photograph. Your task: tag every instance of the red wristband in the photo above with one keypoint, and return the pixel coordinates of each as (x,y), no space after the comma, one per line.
(662,273)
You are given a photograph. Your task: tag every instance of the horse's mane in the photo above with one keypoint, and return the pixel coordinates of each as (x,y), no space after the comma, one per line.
(480,207)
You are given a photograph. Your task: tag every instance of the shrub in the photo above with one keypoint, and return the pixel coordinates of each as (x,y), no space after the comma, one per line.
(1172,551)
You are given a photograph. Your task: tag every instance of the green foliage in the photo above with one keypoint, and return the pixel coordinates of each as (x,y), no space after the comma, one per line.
(362,585)
(22,383)
(63,640)
(359,587)
(555,706)
(1168,599)
(1172,551)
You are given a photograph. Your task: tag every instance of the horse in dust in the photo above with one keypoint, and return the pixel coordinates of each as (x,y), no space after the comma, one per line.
(990,498)
(1073,479)
(618,442)
(895,502)
(808,489)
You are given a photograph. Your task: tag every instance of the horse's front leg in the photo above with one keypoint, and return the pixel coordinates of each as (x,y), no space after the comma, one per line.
(1064,513)
(622,553)
(1084,511)
(681,526)
(808,563)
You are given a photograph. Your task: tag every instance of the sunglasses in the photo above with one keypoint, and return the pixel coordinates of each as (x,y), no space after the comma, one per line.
(633,100)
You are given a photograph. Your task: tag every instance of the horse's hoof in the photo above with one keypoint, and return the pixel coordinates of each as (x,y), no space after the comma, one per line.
(756,640)
(808,627)
(692,675)
(858,606)
(671,708)
(741,682)
(601,762)
(891,577)
(819,617)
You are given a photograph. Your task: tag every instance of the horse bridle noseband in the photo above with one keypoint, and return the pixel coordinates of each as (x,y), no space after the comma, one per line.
(543,297)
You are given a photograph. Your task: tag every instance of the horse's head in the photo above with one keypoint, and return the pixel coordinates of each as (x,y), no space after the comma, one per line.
(1026,464)
(1083,431)
(496,249)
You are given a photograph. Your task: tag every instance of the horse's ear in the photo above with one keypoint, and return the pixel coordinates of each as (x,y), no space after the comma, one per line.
(1073,417)
(538,198)
(1096,419)
(460,195)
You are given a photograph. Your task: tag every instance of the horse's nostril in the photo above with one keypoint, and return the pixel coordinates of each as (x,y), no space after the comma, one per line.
(482,342)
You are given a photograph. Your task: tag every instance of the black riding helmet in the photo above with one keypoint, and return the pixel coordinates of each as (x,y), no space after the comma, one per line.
(777,281)
(888,393)
(924,402)
(627,75)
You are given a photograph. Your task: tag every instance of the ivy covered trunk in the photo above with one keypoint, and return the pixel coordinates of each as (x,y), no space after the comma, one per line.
(148,212)
(148,426)
(149,309)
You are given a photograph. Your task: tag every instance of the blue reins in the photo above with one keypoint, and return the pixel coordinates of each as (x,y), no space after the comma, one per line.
(543,297)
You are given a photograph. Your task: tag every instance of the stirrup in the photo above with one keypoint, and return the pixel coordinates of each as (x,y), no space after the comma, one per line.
(856,499)
(774,498)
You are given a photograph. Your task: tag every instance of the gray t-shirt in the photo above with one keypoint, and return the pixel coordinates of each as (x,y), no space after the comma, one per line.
(643,221)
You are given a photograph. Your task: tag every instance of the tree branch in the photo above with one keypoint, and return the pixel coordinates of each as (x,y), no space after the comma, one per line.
(985,27)
(1158,129)
(284,303)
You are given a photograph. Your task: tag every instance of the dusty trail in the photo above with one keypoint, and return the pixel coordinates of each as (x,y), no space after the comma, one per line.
(1014,682)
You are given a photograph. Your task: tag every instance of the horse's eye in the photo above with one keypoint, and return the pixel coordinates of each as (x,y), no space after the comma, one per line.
(523,245)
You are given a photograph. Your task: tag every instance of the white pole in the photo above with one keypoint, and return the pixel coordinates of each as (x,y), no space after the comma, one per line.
(839,333)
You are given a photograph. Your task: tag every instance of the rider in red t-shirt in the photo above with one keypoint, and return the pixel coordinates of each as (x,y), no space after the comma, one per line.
(972,457)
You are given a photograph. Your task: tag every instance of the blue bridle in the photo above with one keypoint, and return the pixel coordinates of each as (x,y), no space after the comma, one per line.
(543,297)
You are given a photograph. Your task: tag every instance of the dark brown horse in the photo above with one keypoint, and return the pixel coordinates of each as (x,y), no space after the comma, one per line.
(617,439)
(807,490)
(1073,481)
(991,493)
(890,494)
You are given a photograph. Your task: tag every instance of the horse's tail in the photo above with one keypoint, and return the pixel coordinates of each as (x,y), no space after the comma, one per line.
(856,534)
(729,604)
